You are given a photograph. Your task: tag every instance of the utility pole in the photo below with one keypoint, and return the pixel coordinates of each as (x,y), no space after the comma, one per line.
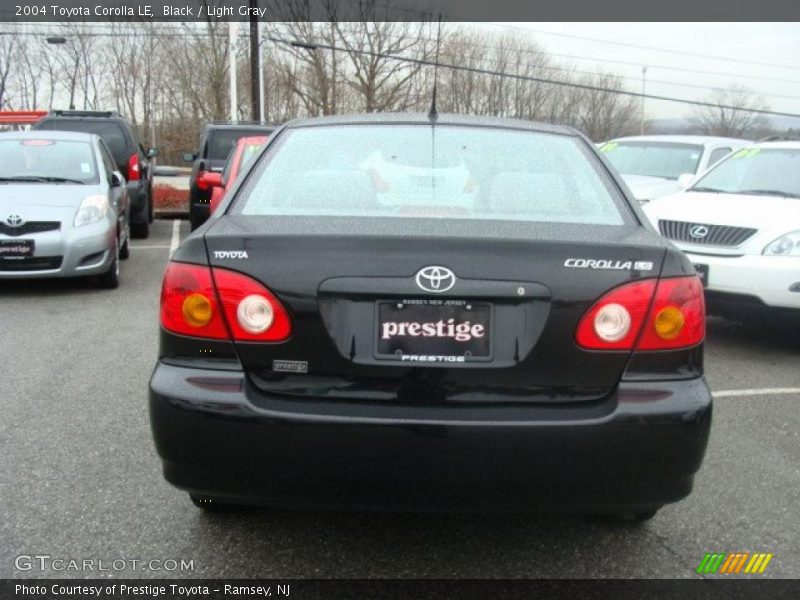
(644,87)
(233,30)
(255,65)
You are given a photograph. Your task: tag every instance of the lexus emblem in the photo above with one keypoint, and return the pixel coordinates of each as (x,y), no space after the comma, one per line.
(698,231)
(435,279)
(14,220)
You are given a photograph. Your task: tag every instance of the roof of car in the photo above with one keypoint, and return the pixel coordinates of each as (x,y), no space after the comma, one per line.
(792,144)
(49,134)
(423,119)
(681,139)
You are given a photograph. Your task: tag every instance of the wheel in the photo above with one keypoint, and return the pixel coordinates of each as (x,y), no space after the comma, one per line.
(125,251)
(140,230)
(209,504)
(110,279)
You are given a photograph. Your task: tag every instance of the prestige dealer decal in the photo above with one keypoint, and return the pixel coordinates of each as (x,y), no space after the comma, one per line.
(152,591)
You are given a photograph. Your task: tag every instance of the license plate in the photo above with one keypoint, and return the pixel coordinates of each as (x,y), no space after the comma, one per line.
(702,272)
(16,248)
(426,331)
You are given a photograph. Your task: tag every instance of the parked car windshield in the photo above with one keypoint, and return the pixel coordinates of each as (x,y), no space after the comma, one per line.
(436,172)
(654,159)
(764,171)
(44,160)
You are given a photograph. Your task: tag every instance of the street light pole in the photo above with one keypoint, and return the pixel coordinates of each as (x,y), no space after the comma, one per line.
(644,87)
(233,30)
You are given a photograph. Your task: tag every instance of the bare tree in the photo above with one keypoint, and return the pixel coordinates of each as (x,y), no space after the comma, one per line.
(7,51)
(732,114)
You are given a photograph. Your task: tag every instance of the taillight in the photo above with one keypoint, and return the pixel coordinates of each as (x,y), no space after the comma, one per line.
(134,168)
(678,316)
(201,184)
(252,311)
(614,321)
(661,314)
(191,304)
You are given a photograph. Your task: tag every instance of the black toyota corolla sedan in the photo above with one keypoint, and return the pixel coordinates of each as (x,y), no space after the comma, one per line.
(412,313)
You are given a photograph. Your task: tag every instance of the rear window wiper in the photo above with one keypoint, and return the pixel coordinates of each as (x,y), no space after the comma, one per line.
(769,193)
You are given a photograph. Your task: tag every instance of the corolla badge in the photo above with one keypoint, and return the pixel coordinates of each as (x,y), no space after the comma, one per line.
(698,231)
(14,220)
(435,279)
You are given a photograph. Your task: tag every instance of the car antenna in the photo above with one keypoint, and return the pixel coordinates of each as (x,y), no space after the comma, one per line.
(433,113)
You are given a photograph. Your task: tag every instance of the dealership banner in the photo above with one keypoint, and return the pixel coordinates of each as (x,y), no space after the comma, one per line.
(333,589)
(400,10)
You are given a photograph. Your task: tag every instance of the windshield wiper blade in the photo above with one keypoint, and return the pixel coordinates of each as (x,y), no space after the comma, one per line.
(769,193)
(707,189)
(40,179)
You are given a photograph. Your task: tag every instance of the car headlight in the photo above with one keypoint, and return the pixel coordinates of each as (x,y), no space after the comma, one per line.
(91,210)
(786,245)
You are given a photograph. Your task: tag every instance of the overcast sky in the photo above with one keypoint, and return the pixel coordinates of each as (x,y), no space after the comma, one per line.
(768,43)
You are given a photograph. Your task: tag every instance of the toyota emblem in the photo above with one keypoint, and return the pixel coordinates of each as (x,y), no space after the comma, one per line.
(14,220)
(435,279)
(698,231)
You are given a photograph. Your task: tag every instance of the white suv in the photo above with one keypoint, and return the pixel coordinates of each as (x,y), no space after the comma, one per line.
(740,225)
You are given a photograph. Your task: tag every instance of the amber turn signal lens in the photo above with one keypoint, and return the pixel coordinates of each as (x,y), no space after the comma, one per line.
(669,322)
(197,310)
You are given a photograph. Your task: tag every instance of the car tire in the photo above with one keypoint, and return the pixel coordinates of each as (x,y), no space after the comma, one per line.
(110,279)
(627,518)
(209,505)
(125,251)
(140,230)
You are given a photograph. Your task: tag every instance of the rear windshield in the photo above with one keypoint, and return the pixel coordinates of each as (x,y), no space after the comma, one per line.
(111,133)
(40,160)
(654,159)
(437,172)
(221,141)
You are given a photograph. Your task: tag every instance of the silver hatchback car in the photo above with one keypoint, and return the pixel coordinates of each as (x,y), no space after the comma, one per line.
(64,210)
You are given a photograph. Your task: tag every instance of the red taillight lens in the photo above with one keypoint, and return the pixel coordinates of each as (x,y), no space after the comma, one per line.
(251,310)
(200,181)
(678,316)
(190,305)
(662,314)
(134,168)
(596,329)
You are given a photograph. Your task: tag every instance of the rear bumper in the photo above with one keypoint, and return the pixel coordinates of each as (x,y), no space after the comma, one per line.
(769,279)
(637,450)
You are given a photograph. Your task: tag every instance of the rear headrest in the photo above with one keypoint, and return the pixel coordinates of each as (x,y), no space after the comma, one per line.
(525,192)
(323,189)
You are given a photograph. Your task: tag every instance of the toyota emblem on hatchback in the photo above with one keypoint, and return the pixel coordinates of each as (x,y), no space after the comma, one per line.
(435,279)
(698,231)
(14,220)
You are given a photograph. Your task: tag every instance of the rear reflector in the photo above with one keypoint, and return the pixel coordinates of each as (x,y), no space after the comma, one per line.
(661,314)
(199,301)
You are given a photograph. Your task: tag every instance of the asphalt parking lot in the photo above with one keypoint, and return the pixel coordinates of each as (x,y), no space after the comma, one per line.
(79,477)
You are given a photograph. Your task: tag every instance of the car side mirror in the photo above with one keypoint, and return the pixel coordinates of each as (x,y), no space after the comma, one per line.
(152,153)
(117,180)
(685,180)
(212,179)
(189,156)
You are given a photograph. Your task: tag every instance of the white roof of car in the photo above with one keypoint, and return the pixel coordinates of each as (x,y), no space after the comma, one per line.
(792,144)
(683,139)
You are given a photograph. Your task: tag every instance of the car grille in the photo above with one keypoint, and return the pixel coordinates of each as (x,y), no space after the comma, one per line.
(29,227)
(714,235)
(31,263)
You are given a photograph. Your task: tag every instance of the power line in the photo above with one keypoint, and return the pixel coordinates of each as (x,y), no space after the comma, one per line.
(651,48)
(419,61)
